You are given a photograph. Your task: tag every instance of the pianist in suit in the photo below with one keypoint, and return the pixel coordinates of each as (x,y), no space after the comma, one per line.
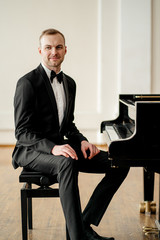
(44,114)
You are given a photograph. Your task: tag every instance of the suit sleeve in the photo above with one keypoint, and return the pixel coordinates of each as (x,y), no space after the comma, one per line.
(25,119)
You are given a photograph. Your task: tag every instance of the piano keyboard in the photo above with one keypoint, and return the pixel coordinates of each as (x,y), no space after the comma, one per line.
(118,131)
(111,132)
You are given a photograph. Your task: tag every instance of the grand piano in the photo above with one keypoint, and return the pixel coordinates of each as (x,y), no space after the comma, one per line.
(133,139)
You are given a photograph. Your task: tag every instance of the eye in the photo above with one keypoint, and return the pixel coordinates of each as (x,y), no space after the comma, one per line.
(59,47)
(48,47)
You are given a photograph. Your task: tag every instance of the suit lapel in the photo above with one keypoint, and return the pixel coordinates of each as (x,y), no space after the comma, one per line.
(67,100)
(49,89)
(52,97)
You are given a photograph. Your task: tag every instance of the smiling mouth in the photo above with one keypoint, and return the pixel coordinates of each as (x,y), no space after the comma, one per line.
(54,59)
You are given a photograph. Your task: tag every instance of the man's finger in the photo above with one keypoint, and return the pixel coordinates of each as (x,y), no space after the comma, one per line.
(70,151)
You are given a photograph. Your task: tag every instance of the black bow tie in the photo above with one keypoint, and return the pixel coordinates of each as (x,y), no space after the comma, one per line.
(59,76)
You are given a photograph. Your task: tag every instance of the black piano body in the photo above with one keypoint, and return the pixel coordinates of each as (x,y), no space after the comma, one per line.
(133,138)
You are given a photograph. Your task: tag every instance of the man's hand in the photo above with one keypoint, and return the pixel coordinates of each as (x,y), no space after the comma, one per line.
(93,150)
(65,150)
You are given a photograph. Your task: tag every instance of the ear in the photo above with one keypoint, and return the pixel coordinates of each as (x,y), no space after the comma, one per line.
(65,49)
(39,50)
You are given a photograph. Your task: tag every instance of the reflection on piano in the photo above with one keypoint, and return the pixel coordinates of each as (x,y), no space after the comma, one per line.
(133,138)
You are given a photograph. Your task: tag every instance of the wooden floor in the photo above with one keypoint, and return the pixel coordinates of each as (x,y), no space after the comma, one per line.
(122,219)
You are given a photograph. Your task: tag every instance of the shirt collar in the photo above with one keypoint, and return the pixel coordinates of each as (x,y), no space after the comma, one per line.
(47,70)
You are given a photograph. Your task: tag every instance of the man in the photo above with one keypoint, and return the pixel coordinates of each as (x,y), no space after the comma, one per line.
(44,114)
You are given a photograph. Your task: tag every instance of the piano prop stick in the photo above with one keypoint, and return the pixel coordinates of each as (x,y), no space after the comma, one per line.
(133,140)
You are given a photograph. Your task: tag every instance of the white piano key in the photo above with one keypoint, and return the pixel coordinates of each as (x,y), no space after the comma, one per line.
(112,133)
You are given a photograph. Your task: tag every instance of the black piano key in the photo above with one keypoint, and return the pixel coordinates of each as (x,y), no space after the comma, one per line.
(122,130)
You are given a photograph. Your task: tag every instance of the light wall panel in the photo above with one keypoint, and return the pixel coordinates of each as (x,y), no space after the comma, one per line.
(108,52)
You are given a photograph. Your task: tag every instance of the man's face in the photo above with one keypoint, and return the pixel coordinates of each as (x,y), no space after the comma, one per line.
(52,50)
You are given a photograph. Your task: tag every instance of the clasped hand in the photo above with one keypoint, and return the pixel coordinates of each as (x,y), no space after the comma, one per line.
(67,151)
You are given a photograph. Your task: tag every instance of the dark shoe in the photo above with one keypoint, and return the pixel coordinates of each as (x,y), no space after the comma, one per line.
(92,235)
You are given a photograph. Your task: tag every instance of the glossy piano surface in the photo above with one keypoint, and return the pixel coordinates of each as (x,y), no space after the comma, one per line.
(133,138)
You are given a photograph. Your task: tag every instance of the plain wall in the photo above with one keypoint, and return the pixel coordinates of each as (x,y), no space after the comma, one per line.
(99,49)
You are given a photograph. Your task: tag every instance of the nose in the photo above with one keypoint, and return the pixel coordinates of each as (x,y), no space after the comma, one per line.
(53,50)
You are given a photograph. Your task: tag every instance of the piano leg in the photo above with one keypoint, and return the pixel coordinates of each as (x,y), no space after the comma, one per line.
(148,206)
(158,221)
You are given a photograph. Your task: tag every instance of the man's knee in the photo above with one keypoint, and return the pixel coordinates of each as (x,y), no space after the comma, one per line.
(67,170)
(68,164)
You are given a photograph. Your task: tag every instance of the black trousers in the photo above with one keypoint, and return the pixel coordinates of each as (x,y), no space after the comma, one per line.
(67,170)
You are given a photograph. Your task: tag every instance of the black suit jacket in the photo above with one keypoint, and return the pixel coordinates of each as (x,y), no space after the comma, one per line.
(37,127)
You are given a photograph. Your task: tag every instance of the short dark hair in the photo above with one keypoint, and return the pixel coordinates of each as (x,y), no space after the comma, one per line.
(50,31)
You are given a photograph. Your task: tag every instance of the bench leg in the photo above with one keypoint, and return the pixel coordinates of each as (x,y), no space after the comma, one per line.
(24,213)
(29,201)
(30,225)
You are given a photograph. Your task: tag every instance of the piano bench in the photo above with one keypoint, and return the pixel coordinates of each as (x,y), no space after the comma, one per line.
(43,190)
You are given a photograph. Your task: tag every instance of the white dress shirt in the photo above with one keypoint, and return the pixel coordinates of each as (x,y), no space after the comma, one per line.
(59,93)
